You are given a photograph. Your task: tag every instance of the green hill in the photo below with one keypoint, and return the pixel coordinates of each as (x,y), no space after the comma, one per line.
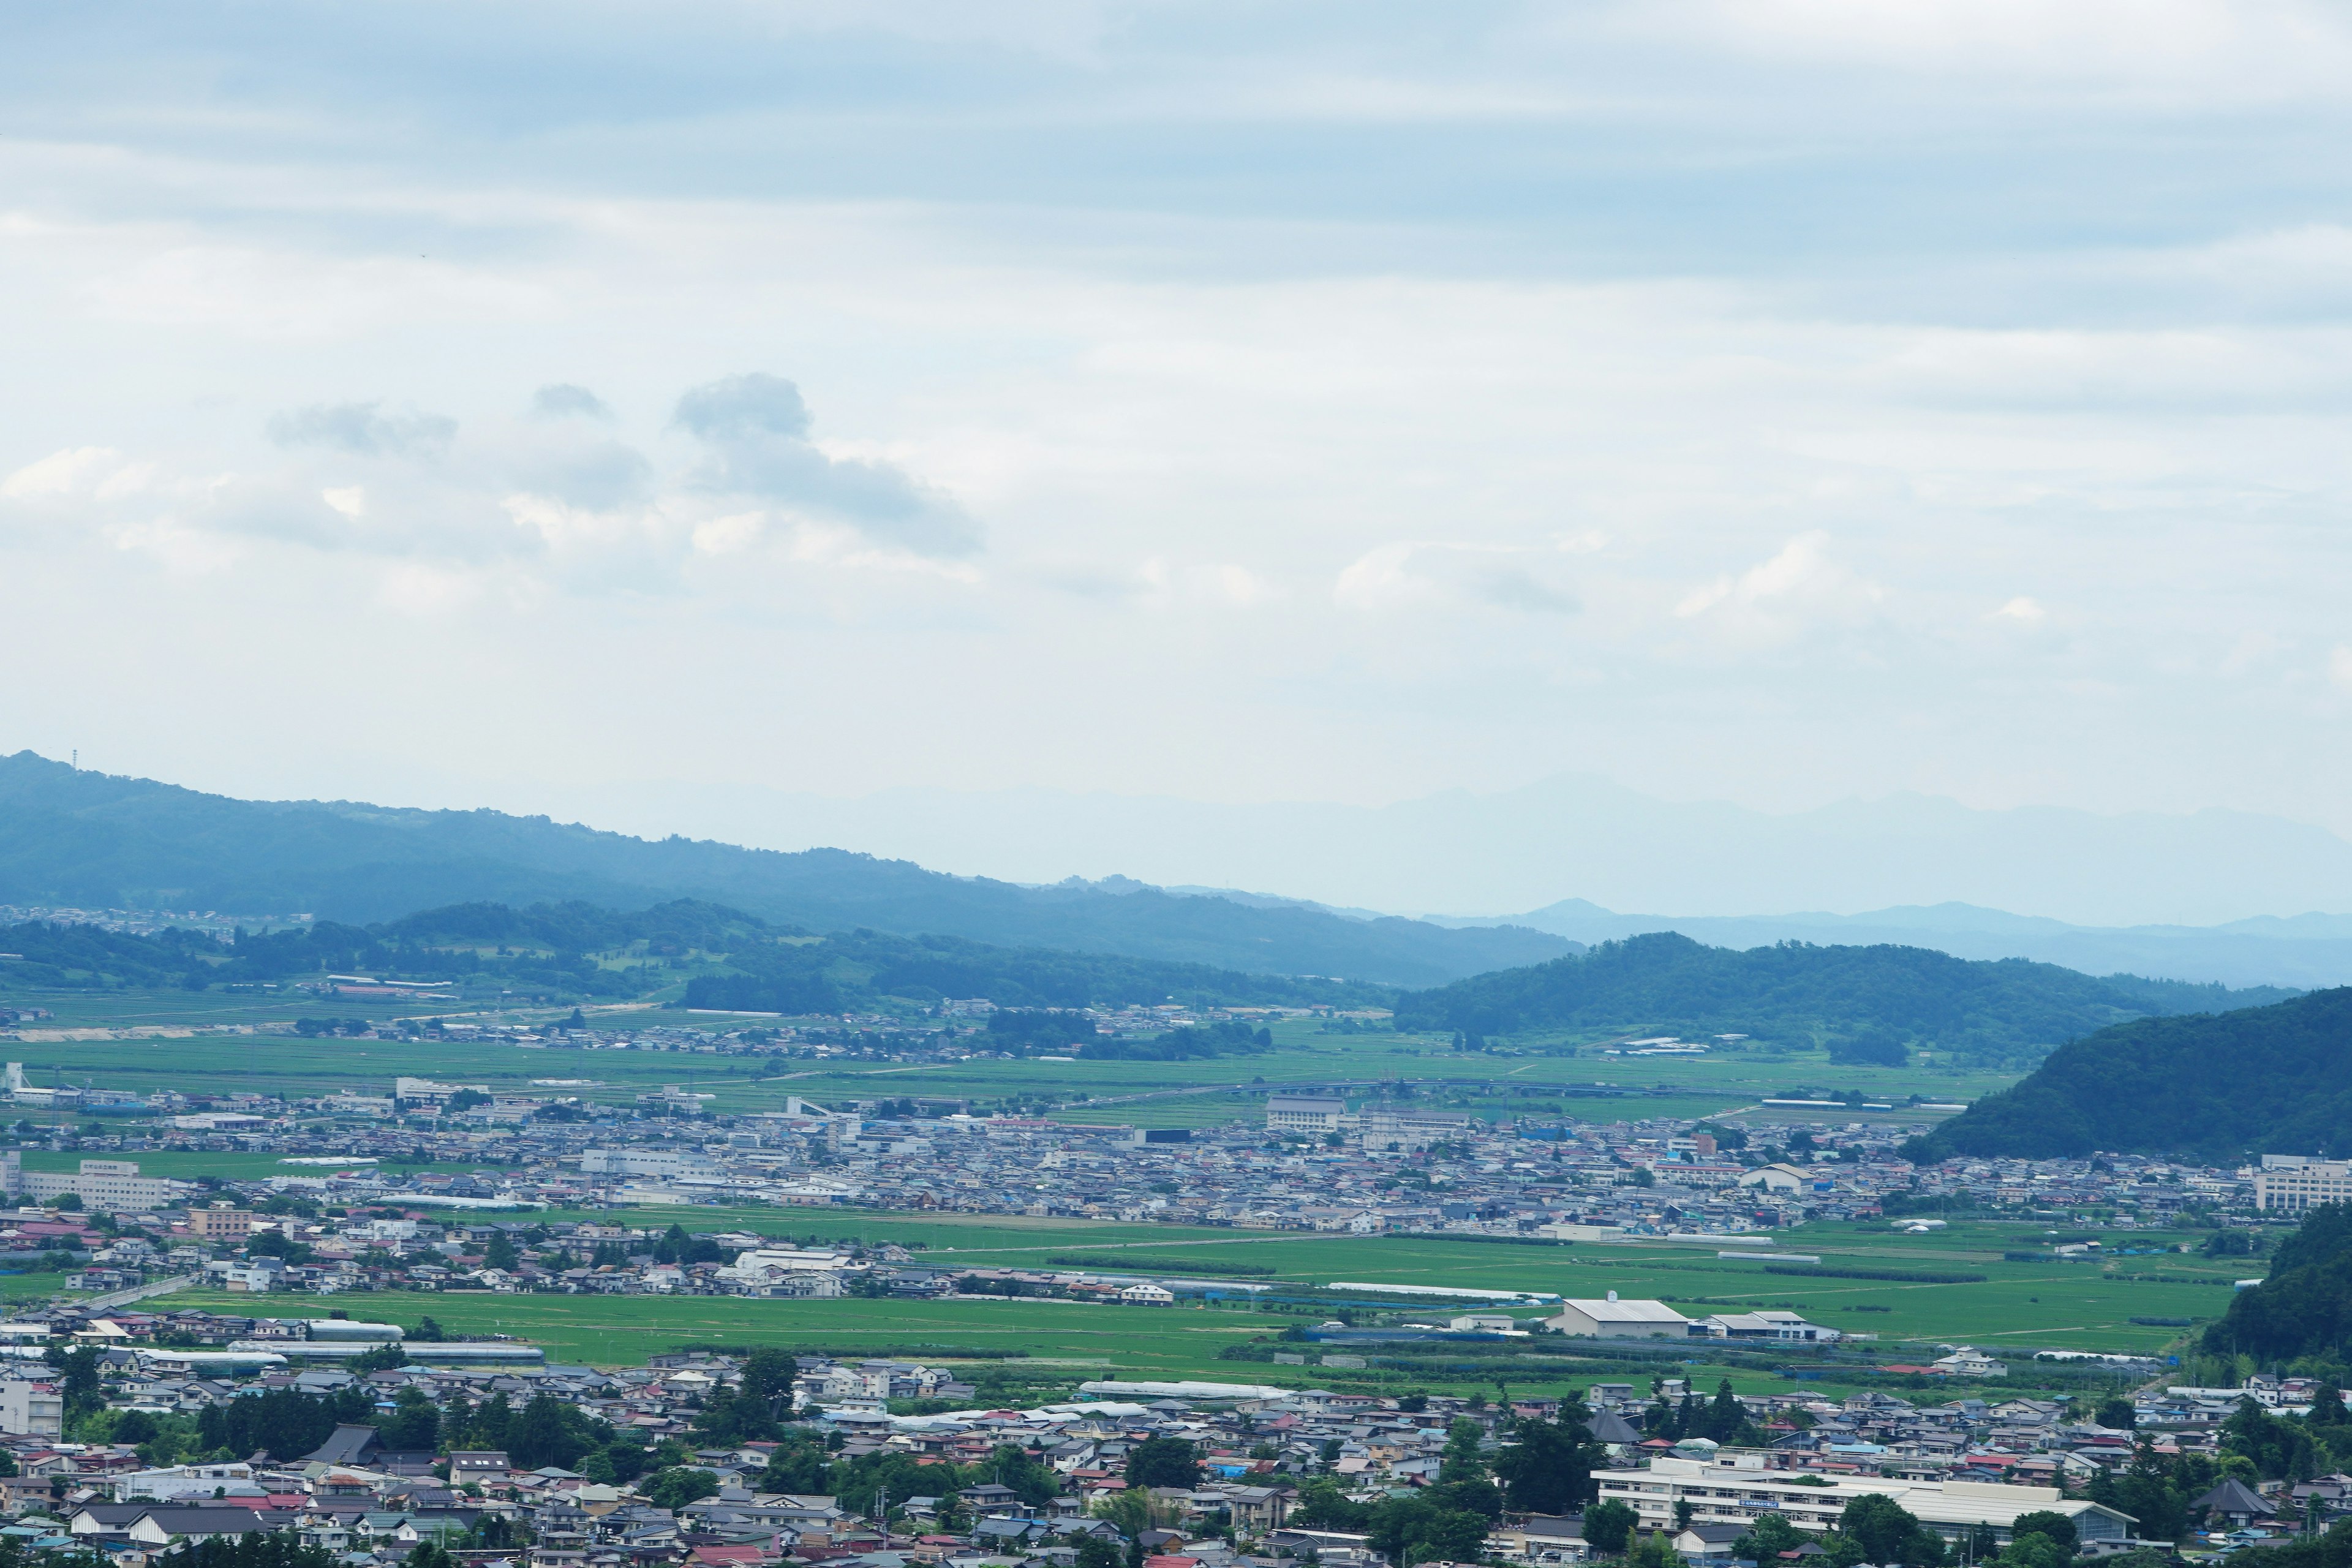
(1865,1003)
(725,958)
(86,839)
(2275,1079)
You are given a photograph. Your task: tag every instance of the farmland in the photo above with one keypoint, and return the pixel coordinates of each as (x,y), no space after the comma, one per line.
(1559,1081)
(2017,1308)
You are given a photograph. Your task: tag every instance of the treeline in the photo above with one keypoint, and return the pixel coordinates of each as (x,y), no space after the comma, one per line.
(548,945)
(1865,1004)
(579,950)
(2304,1306)
(848,971)
(2208,1086)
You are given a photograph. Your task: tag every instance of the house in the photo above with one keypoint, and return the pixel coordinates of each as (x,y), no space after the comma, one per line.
(347,1445)
(1615,1319)
(1256,1509)
(1969,1362)
(1145,1294)
(1698,1542)
(2232,1504)
(474,1466)
(1777,1179)
(1543,1538)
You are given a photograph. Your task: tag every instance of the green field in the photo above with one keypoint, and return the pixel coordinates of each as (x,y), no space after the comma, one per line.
(1154,1094)
(2017,1308)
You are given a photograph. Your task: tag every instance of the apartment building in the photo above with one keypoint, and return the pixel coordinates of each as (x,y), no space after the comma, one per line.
(2289,1183)
(1737,1489)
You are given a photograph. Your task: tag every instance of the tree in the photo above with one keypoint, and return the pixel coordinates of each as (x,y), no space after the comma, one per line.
(797,1467)
(1095,1553)
(428,1332)
(1548,1468)
(382,1357)
(500,1254)
(1766,1538)
(1608,1525)
(1419,1528)
(2043,1522)
(675,1488)
(1653,1551)
(1461,1460)
(1322,1505)
(1882,1531)
(1163,1462)
(1131,1511)
(768,1378)
(2116,1415)
(413,1427)
(1727,1419)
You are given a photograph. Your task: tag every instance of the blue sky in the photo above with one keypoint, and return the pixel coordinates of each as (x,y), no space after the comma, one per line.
(1779,402)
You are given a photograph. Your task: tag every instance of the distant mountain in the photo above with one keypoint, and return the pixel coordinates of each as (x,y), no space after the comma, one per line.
(1865,1003)
(2304,953)
(2276,1080)
(1519,848)
(91,839)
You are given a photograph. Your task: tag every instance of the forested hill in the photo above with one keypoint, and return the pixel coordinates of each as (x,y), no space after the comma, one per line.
(2276,1080)
(723,958)
(69,837)
(1865,1003)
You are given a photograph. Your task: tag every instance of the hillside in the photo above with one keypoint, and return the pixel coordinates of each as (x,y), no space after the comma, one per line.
(2276,1078)
(575,951)
(1865,1003)
(91,839)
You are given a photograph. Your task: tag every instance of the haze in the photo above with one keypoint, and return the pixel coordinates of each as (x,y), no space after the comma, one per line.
(607,409)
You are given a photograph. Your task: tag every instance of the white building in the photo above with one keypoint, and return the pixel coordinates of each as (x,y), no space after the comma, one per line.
(1311,1113)
(1147,1294)
(1410,1131)
(107,1184)
(2290,1184)
(1616,1320)
(1786,1327)
(1734,1489)
(669,1163)
(31,1409)
(1777,1179)
(1970,1361)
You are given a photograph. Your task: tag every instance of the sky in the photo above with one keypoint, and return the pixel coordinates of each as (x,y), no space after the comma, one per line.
(1779,402)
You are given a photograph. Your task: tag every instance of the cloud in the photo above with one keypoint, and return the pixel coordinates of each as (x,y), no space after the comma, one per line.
(562,400)
(1494,576)
(2025,612)
(1797,583)
(358,428)
(755,432)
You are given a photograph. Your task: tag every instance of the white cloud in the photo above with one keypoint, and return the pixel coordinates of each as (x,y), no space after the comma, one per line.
(1404,574)
(2023,610)
(1798,584)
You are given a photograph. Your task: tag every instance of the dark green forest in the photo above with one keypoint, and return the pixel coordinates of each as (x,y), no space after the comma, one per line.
(555,949)
(2211,1086)
(2304,1306)
(845,970)
(1865,1003)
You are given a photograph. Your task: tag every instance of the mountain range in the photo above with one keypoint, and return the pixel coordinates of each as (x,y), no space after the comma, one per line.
(1482,852)
(2274,1080)
(1866,1004)
(2305,952)
(71,838)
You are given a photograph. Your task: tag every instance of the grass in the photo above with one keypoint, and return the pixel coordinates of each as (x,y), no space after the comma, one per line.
(1155,1094)
(2019,1307)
